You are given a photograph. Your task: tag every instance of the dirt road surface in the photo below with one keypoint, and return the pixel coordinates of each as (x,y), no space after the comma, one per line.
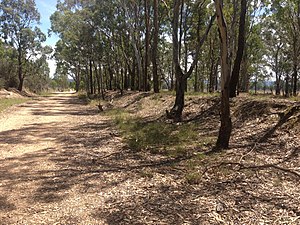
(50,162)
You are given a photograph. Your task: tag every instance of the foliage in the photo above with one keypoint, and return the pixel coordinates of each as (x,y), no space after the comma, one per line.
(22,54)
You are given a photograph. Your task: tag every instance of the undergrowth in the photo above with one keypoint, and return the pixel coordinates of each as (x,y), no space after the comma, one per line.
(8,102)
(158,137)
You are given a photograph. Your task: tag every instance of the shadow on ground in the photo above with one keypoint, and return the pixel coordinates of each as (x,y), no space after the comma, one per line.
(137,187)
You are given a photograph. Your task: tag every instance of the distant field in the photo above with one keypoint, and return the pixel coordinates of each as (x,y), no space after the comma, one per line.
(8,102)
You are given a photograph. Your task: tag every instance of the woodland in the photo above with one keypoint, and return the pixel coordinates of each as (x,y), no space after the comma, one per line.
(196,97)
(144,45)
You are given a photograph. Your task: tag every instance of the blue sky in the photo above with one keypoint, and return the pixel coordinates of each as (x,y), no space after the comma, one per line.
(46,8)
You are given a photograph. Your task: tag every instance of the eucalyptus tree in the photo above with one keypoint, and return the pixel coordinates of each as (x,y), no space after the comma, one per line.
(183,74)
(19,19)
(8,65)
(155,46)
(234,79)
(287,13)
(72,50)
(226,124)
(38,71)
(274,40)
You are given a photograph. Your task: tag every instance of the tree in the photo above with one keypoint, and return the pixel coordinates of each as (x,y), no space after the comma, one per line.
(181,76)
(155,46)
(240,51)
(287,14)
(18,27)
(226,124)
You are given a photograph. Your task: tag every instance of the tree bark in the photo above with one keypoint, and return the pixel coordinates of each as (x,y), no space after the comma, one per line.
(239,55)
(295,66)
(226,124)
(147,43)
(154,49)
(20,70)
(91,78)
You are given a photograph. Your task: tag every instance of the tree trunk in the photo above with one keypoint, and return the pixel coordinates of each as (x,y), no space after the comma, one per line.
(295,63)
(97,79)
(147,43)
(91,78)
(244,78)
(154,49)
(101,81)
(239,55)
(212,64)
(21,82)
(226,124)
(133,75)
(77,78)
(111,78)
(176,111)
(126,81)
(295,79)
(287,88)
(196,85)
(20,70)
(216,74)
(277,89)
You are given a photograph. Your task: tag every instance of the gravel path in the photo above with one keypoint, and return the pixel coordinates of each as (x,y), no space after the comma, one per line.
(48,149)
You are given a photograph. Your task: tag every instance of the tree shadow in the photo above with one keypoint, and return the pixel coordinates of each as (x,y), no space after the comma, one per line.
(283,119)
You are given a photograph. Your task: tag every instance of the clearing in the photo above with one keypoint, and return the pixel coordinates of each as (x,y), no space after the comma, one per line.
(63,162)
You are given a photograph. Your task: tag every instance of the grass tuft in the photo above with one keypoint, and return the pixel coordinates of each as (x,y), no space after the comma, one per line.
(154,136)
(8,102)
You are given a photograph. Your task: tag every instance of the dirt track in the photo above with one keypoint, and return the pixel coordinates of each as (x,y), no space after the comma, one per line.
(48,149)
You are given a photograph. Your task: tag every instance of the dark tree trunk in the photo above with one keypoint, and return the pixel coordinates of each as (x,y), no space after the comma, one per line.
(295,79)
(101,82)
(20,70)
(77,78)
(97,78)
(239,55)
(226,124)
(277,89)
(196,85)
(172,86)
(154,49)
(21,82)
(126,81)
(77,85)
(176,111)
(244,78)
(111,78)
(255,84)
(147,43)
(287,87)
(133,74)
(91,78)
(216,74)
(212,66)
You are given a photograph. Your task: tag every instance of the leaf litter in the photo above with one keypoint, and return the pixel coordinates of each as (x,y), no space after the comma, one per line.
(78,168)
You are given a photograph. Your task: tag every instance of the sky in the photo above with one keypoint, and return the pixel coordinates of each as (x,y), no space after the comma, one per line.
(46,8)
